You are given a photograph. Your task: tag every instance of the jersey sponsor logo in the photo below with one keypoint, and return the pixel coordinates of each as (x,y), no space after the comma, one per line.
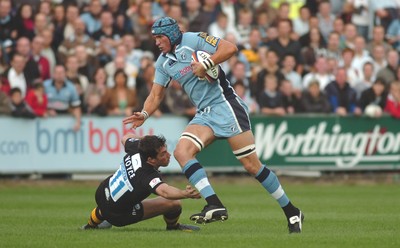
(209,39)
(154,182)
(182,72)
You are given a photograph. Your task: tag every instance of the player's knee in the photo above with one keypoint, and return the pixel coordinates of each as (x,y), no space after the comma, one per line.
(252,168)
(174,205)
(179,154)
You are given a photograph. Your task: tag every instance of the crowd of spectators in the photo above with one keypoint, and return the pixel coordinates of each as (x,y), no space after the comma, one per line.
(96,57)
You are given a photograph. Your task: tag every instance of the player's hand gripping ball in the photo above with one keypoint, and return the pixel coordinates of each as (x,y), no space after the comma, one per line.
(201,56)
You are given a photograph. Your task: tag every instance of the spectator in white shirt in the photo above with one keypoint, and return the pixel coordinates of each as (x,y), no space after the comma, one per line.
(301,24)
(361,55)
(221,27)
(15,75)
(319,74)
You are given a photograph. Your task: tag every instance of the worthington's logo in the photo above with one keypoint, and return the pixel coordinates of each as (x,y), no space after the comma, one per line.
(319,145)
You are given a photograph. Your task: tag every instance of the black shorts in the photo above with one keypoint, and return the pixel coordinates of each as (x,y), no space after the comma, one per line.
(115,214)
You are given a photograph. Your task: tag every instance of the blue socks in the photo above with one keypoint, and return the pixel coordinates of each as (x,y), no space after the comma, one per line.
(270,182)
(197,176)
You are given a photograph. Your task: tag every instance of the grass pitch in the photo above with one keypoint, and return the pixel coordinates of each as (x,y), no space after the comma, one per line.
(49,214)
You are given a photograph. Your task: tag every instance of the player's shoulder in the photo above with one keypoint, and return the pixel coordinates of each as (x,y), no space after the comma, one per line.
(132,146)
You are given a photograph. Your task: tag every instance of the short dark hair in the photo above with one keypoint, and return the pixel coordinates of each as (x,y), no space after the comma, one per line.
(15,90)
(150,145)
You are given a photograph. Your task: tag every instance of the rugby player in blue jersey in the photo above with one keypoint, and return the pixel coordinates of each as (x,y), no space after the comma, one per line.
(220,114)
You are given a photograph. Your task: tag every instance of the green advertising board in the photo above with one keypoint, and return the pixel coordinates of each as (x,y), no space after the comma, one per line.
(317,143)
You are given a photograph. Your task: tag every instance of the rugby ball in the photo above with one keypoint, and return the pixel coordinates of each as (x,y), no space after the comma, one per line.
(373,111)
(212,73)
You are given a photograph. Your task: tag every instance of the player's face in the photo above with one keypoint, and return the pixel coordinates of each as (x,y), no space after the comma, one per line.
(163,157)
(162,42)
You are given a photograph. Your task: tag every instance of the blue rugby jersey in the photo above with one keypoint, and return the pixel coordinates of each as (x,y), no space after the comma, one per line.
(176,66)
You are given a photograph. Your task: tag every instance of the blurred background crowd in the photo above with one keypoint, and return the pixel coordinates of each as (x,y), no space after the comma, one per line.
(96,57)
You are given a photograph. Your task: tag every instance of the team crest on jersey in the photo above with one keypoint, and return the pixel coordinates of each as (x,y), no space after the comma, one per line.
(183,55)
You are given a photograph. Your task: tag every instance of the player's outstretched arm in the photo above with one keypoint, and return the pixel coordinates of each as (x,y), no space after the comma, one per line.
(172,193)
(150,105)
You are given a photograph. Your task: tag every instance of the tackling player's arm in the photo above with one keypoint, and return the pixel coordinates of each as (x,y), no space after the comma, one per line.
(172,193)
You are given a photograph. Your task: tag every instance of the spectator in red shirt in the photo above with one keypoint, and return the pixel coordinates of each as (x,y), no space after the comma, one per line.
(37,100)
(393,100)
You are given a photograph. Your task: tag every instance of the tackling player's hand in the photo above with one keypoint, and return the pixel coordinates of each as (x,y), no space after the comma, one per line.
(137,119)
(192,193)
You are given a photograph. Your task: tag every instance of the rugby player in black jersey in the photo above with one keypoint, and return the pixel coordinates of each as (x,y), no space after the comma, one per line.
(121,197)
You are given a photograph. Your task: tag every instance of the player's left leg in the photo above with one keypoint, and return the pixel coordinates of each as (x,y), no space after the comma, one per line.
(243,147)
(171,211)
(96,220)
(193,140)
